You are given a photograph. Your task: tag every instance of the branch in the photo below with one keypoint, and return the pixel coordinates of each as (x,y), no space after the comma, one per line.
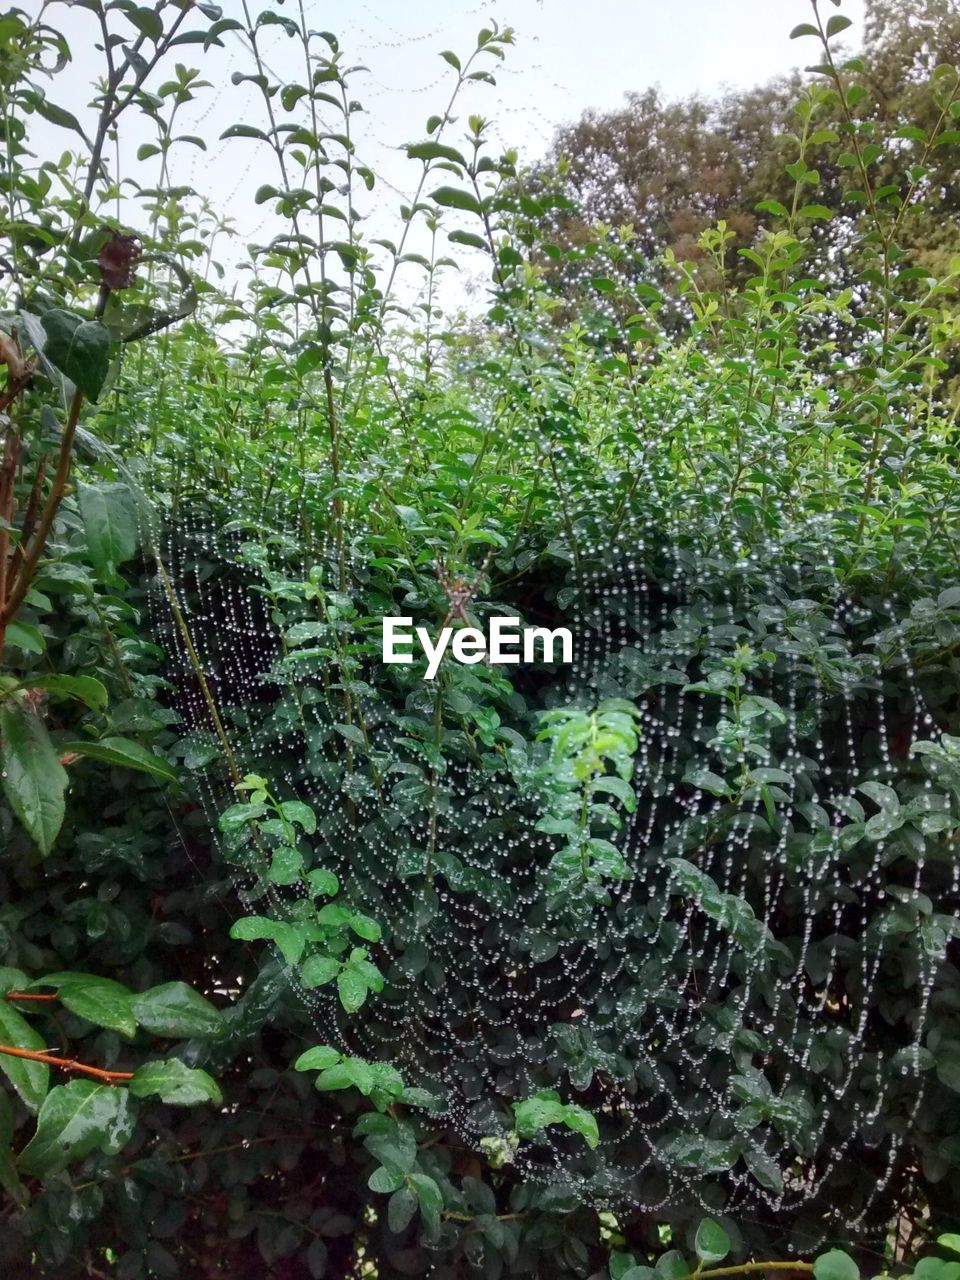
(67,1064)
(31,557)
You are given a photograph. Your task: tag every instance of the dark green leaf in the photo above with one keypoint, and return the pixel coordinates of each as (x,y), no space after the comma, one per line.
(30,1079)
(85,689)
(80,349)
(34,781)
(101,1001)
(174,1009)
(456,198)
(124,754)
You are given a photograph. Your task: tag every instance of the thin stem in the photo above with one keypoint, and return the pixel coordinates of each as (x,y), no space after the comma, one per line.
(67,1064)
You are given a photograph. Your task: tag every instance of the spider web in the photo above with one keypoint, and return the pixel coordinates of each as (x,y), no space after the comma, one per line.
(734,965)
(731,967)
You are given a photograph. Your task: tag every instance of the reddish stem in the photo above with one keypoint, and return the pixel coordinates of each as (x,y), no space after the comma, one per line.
(67,1064)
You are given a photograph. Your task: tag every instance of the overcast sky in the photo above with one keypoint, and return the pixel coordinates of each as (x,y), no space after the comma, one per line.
(569,56)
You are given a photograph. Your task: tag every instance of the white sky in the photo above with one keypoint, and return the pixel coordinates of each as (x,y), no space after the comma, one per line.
(568,56)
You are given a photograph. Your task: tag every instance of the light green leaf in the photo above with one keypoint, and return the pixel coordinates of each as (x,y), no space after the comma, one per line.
(318,970)
(318,1058)
(835,1265)
(323,882)
(581,1121)
(300,813)
(75,1119)
(175,1082)
(26,636)
(352,988)
(110,524)
(712,1243)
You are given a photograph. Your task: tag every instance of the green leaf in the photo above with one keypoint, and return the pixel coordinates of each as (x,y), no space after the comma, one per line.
(839,22)
(318,1058)
(766,1171)
(365,928)
(385,1180)
(147,21)
(101,1001)
(950,1240)
(835,1265)
(244,131)
(816,211)
(75,1119)
(286,866)
(712,1243)
(429,1196)
(175,1082)
(30,1079)
(25,636)
(582,1122)
(468,238)
(85,689)
(109,514)
(339,1076)
(12,980)
(174,1009)
(352,988)
(534,1114)
(400,1209)
(457,198)
(124,754)
(34,781)
(55,114)
(323,882)
(435,151)
(80,349)
(319,970)
(672,1266)
(804,29)
(706,780)
(9,1179)
(300,813)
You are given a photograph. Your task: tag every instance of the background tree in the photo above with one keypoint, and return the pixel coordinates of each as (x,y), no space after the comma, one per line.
(668,170)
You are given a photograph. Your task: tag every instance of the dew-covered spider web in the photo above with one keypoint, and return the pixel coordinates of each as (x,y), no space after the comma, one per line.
(710,978)
(715,1002)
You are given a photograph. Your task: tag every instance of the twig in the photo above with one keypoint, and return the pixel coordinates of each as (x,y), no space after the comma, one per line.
(66,1064)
